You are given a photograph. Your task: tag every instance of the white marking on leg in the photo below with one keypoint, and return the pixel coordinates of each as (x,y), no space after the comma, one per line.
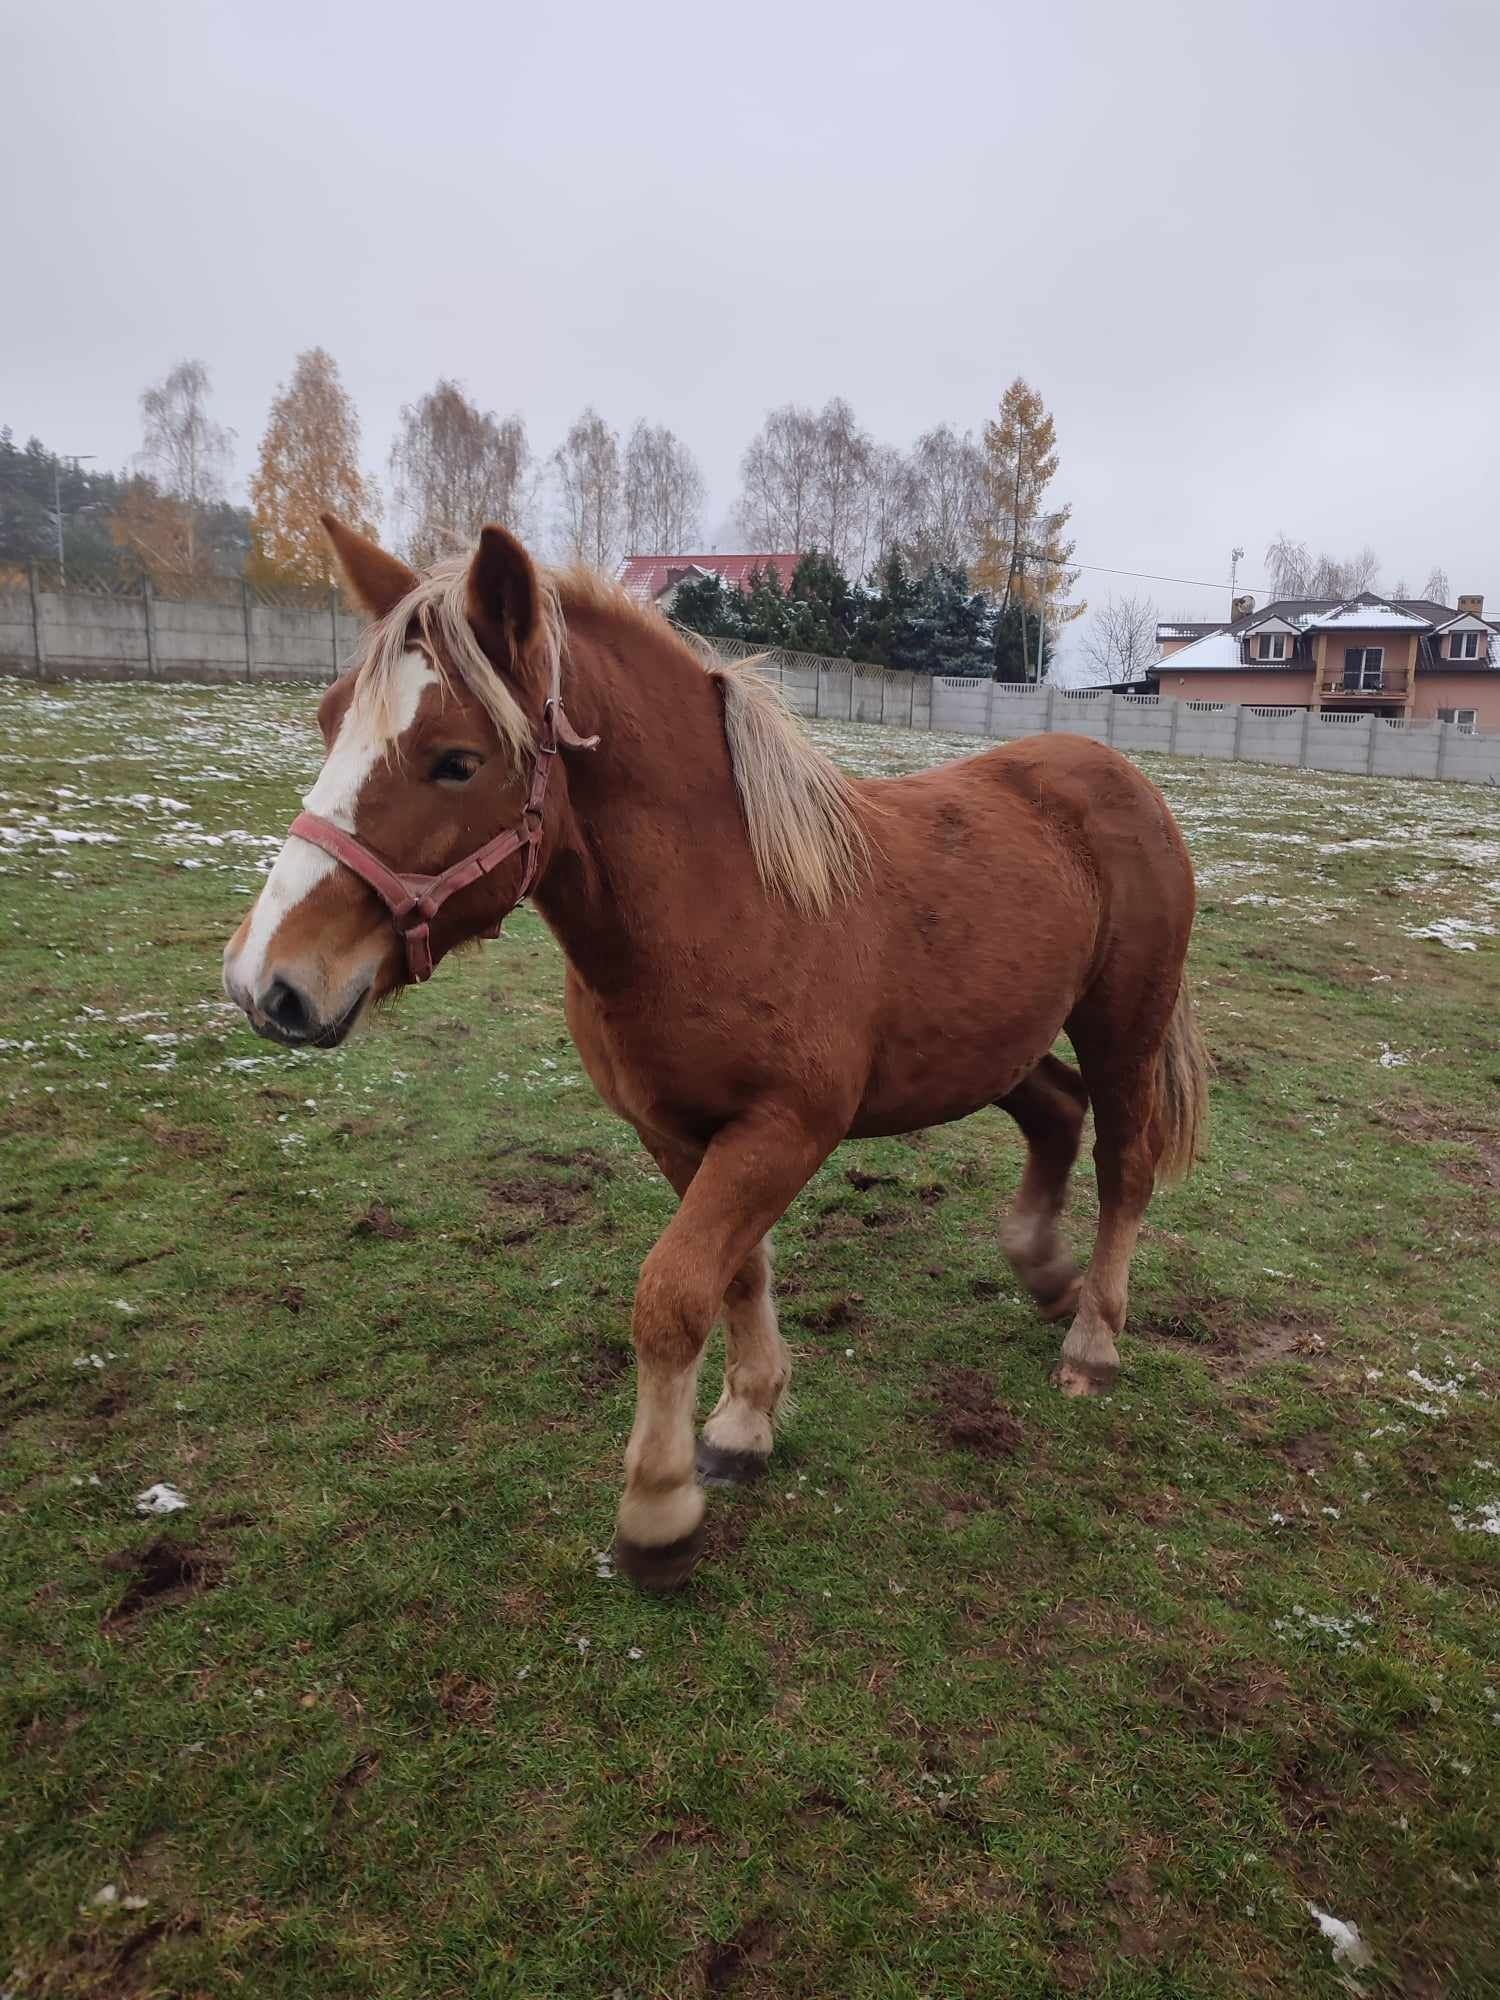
(298,869)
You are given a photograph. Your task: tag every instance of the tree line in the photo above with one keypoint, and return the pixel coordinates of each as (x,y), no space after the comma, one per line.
(809,481)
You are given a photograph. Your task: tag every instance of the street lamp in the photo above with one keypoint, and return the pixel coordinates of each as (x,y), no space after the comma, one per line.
(74,458)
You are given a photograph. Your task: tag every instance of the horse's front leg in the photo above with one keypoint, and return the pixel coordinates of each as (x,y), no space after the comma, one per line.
(750,1172)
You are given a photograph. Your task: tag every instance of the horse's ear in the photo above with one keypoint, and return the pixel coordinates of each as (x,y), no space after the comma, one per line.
(377,580)
(503,589)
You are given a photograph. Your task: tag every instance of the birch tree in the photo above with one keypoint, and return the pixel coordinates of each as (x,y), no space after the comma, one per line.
(456,467)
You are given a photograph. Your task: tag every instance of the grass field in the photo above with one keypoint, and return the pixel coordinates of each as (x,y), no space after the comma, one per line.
(984,1693)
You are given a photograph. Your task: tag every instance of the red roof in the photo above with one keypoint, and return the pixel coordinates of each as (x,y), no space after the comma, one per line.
(645,577)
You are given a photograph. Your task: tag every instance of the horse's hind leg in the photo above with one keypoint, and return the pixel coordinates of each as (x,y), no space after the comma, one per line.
(736,1440)
(1123,1095)
(1049,1107)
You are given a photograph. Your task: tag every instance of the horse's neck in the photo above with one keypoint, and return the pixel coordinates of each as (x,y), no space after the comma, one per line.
(646,808)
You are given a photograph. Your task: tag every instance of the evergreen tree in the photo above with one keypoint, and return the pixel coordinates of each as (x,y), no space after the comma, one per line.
(708,605)
(765,609)
(821,613)
(883,635)
(951,627)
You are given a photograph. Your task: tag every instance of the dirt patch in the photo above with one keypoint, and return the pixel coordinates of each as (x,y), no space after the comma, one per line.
(1309,1453)
(985,1288)
(187,1144)
(603,1366)
(359,1773)
(840,1315)
(1427,1123)
(1231,1341)
(1229,1700)
(109,1966)
(377,1220)
(469,1703)
(725,1966)
(968,1416)
(858,1178)
(166,1572)
(536,1204)
(686,1833)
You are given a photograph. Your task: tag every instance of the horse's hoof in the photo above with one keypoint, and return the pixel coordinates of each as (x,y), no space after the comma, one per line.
(663,1568)
(1085,1378)
(720,1467)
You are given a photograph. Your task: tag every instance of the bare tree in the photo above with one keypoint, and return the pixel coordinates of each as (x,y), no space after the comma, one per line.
(947,499)
(1435,589)
(778,506)
(1120,640)
(455,467)
(591,486)
(844,456)
(889,506)
(1296,572)
(664,492)
(183,449)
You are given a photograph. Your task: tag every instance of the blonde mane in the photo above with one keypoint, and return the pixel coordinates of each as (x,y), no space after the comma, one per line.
(805,819)
(439,605)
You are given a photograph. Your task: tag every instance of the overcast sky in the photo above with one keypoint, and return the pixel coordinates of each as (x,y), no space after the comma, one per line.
(1246,253)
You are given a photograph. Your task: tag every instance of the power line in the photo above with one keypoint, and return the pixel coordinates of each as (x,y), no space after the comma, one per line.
(1145,575)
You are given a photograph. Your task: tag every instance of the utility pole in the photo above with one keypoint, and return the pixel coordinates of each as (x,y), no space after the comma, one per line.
(1236,557)
(75,458)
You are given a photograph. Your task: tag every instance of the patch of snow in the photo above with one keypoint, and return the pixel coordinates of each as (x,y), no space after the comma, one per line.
(1349,1948)
(160,1499)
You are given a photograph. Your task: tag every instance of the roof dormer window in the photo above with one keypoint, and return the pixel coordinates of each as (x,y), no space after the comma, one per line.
(1270,646)
(1463,645)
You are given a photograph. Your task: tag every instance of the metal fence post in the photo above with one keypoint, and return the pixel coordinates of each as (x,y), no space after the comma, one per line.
(1109,716)
(1307,716)
(38,643)
(1239,730)
(1443,732)
(1172,731)
(148,600)
(989,708)
(1375,723)
(1049,708)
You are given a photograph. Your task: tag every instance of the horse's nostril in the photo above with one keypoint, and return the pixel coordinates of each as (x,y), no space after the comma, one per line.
(284,1005)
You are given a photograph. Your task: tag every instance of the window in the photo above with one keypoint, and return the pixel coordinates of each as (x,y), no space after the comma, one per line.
(1463,645)
(1465,719)
(1362,667)
(1271,646)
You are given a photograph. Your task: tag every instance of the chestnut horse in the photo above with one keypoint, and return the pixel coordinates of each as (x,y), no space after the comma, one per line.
(764,957)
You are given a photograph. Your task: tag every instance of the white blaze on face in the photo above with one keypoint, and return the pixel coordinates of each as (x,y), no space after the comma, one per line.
(300,867)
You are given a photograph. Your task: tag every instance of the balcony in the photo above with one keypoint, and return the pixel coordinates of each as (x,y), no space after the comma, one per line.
(1392,685)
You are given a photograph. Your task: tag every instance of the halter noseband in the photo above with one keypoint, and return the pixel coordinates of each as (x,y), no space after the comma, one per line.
(414,900)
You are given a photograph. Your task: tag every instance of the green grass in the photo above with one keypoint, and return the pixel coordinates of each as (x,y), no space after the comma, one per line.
(1061,1718)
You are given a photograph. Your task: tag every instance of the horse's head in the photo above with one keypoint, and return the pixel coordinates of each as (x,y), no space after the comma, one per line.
(430,754)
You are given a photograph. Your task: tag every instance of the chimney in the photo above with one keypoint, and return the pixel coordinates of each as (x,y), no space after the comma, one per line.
(1471,606)
(1241,608)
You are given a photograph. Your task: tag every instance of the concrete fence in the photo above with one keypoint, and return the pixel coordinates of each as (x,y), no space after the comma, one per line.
(76,635)
(1364,744)
(71,635)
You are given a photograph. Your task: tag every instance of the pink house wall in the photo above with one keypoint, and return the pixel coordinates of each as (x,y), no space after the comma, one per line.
(1480,692)
(1240,684)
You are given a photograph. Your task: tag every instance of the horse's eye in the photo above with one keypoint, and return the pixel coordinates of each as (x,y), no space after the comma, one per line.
(455,767)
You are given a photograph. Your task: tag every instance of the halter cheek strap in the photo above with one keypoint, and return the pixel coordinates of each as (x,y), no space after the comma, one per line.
(414,900)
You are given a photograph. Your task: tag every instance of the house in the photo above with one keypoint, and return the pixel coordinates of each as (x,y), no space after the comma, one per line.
(655,579)
(1404,658)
